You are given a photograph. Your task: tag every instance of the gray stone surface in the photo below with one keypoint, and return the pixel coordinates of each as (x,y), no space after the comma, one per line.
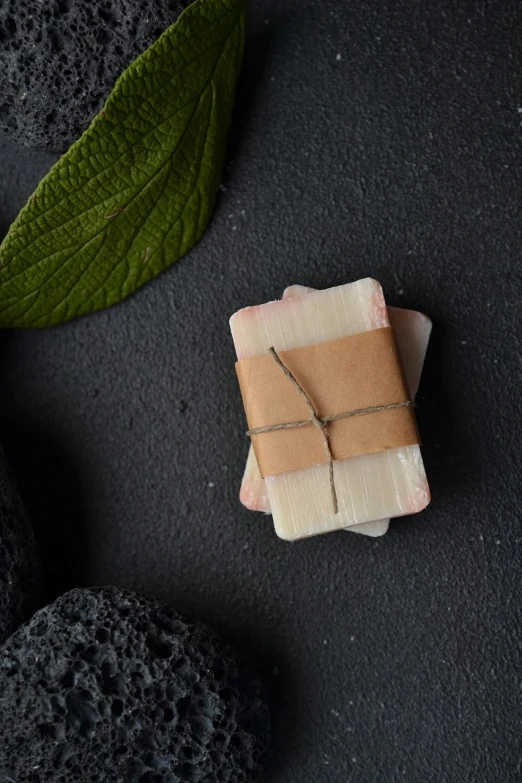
(105,685)
(59,59)
(396,659)
(19,563)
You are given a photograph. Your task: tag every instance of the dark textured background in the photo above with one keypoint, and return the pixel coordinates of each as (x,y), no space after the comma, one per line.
(390,660)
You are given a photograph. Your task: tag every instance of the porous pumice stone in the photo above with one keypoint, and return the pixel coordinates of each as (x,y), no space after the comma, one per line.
(105,686)
(19,562)
(59,60)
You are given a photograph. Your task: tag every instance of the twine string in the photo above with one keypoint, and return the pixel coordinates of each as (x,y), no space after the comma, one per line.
(321,422)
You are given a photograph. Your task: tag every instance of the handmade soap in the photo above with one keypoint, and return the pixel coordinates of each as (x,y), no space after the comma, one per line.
(412,331)
(370,486)
(253,493)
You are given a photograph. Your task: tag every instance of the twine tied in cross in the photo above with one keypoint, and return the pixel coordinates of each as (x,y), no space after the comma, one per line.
(321,422)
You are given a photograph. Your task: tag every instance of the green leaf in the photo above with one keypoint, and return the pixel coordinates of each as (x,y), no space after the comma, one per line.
(137,190)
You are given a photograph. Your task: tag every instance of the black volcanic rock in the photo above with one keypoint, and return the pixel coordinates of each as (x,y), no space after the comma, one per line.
(104,686)
(19,567)
(59,59)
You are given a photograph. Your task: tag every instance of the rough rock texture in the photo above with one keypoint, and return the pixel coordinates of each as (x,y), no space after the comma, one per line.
(104,685)
(59,59)
(398,659)
(19,567)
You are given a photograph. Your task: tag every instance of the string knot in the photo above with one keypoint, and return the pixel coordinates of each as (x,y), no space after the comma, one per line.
(321,423)
(318,422)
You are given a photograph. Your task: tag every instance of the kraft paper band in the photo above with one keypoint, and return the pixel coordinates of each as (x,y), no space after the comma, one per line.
(347,375)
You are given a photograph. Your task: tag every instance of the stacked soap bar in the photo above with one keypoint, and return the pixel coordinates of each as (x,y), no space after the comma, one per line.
(412,330)
(369,487)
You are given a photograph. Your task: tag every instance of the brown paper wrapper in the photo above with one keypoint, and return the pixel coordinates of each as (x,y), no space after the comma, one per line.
(351,373)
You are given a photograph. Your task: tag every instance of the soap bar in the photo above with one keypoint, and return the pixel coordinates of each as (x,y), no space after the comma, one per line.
(370,486)
(412,330)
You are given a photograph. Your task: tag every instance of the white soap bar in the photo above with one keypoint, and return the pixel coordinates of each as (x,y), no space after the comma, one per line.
(412,331)
(369,487)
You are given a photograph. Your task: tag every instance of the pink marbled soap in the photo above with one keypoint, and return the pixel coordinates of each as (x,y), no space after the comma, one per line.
(412,330)
(371,486)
